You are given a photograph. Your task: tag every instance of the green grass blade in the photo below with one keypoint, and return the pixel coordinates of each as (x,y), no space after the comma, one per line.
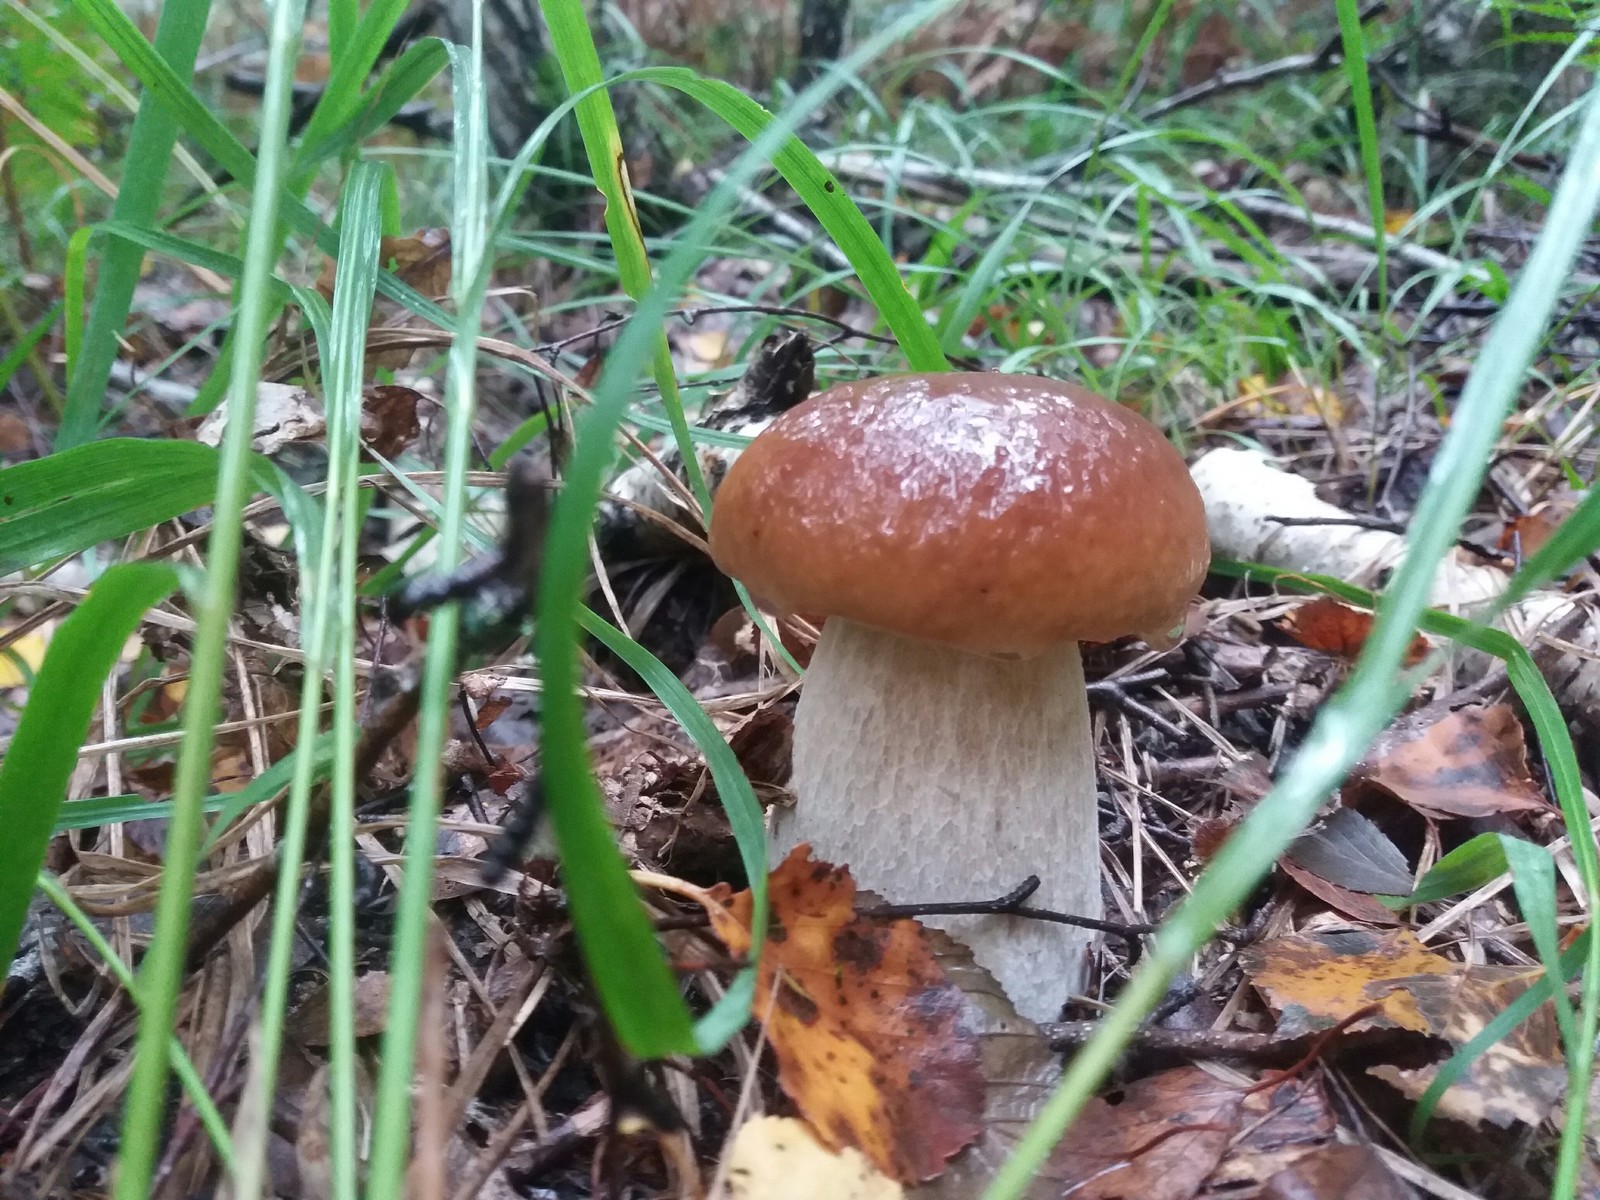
(400,82)
(1533,878)
(733,787)
(161,976)
(1354,38)
(353,62)
(1374,693)
(24,347)
(69,501)
(39,762)
(150,144)
(469,275)
(1472,864)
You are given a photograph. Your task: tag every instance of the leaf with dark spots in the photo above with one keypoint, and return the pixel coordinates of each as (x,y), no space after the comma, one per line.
(1472,763)
(871,1039)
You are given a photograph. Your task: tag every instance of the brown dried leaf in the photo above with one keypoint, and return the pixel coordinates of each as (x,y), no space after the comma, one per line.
(1337,1173)
(1524,535)
(389,418)
(1277,1127)
(1157,1139)
(1358,905)
(308,1023)
(1472,763)
(870,1036)
(1315,980)
(1333,627)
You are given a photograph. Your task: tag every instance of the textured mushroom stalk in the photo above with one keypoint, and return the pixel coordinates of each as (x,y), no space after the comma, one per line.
(941,775)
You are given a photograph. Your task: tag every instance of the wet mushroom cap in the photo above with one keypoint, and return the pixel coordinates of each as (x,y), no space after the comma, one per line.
(1002,514)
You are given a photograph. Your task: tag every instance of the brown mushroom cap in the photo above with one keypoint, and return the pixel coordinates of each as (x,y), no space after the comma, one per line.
(1002,514)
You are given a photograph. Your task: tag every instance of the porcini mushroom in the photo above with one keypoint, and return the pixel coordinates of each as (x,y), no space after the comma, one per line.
(962,533)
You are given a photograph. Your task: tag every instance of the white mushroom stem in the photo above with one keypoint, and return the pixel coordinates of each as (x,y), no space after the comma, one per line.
(939,775)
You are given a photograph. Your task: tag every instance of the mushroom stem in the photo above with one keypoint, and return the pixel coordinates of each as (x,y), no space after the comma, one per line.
(941,775)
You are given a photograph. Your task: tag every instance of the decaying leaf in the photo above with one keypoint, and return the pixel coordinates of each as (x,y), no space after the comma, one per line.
(778,1158)
(283,414)
(1289,397)
(1156,1139)
(1333,627)
(1278,1126)
(1524,535)
(1359,906)
(1519,1078)
(870,1036)
(1472,763)
(1020,1071)
(1315,980)
(1337,1173)
(389,418)
(308,1023)
(1350,850)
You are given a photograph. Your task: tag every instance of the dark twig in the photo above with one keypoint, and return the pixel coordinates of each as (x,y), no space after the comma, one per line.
(1011,904)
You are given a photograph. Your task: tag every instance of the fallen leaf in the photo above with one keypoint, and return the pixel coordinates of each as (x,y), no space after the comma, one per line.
(1518,1078)
(1278,1126)
(1156,1139)
(1358,906)
(1337,1173)
(1333,627)
(15,436)
(1315,980)
(778,1158)
(1349,850)
(22,658)
(283,414)
(1020,1072)
(1524,535)
(389,418)
(870,1036)
(308,1023)
(1472,763)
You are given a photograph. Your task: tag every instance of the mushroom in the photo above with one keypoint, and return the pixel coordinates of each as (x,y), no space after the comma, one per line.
(961,533)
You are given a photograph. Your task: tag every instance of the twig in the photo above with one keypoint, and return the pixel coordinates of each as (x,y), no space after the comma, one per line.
(1010,904)
(1329,54)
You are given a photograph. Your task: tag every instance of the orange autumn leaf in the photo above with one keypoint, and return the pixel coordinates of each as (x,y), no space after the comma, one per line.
(1524,535)
(1333,627)
(870,1037)
(1315,980)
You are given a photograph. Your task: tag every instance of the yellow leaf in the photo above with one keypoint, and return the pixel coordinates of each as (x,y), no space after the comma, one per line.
(777,1158)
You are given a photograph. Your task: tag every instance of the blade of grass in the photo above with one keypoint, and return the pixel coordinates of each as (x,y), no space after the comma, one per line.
(162,973)
(66,502)
(150,143)
(1354,39)
(391,1121)
(1373,694)
(576,814)
(39,761)
(360,231)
